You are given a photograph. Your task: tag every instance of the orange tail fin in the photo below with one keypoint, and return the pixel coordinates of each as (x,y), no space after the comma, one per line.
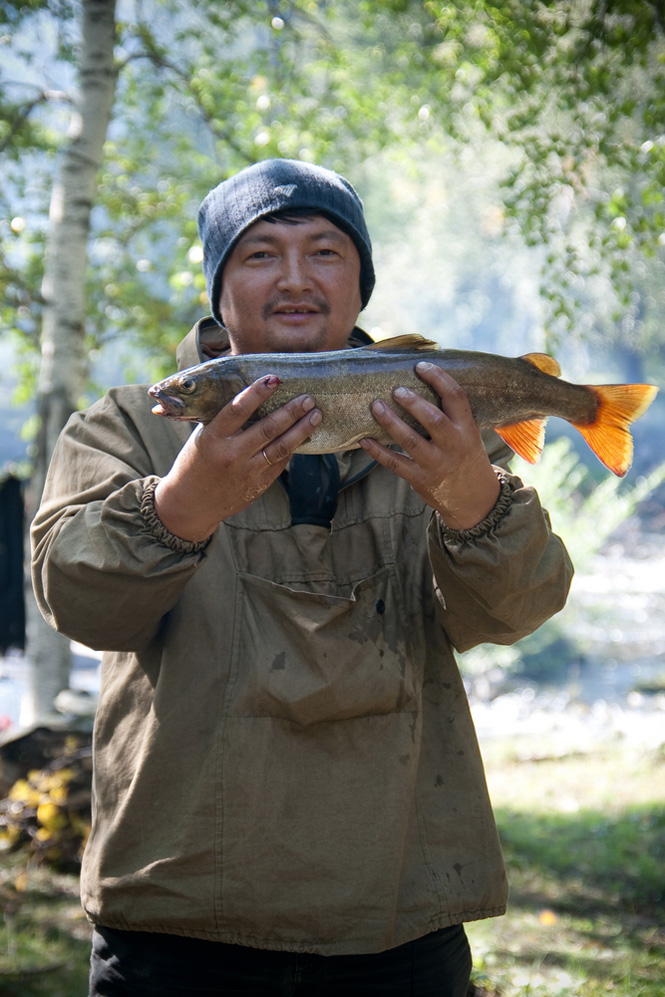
(525,438)
(619,405)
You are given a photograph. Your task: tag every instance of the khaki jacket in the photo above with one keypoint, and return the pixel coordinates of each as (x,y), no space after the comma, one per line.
(284,754)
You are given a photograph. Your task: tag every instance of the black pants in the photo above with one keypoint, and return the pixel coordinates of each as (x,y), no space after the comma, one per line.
(142,964)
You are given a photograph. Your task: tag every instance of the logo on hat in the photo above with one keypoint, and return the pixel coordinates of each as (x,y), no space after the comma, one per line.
(286,189)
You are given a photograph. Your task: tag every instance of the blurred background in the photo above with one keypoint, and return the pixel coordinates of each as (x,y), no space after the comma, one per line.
(511,159)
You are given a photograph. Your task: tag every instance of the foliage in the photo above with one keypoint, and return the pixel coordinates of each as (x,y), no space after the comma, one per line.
(568,93)
(576,90)
(202,91)
(48,811)
(585,512)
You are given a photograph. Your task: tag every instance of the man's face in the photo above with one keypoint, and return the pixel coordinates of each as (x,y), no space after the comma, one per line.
(291,287)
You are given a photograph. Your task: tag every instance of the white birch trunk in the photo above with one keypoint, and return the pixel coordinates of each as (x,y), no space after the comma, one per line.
(63,362)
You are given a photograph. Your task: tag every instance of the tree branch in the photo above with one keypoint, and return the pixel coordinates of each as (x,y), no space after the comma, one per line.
(24,112)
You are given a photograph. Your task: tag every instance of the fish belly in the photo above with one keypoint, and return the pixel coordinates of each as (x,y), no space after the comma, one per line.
(347,416)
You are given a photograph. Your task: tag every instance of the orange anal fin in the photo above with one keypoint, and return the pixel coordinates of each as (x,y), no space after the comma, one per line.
(619,405)
(526,438)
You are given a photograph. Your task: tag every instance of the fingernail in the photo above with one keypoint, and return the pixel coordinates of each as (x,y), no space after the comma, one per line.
(315,418)
(424,365)
(402,392)
(307,403)
(271,381)
(378,407)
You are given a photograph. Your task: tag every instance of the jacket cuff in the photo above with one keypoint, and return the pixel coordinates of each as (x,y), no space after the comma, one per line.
(487,524)
(159,531)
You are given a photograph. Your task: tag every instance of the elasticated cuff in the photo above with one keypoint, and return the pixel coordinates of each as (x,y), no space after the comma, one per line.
(487,524)
(158,530)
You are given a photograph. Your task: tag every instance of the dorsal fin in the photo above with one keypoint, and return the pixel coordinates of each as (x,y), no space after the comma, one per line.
(410,341)
(543,362)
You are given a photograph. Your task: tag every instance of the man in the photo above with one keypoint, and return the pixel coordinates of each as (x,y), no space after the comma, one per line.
(289,796)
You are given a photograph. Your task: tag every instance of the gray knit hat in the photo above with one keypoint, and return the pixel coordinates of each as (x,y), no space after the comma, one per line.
(270,186)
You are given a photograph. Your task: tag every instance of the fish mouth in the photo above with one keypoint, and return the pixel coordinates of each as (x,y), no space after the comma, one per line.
(167,405)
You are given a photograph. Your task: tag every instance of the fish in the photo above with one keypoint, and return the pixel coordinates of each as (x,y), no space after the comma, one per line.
(515,396)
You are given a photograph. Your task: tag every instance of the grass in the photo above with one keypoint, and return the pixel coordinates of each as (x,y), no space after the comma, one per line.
(584,839)
(44,935)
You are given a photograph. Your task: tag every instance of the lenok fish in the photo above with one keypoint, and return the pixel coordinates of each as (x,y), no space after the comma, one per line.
(514,396)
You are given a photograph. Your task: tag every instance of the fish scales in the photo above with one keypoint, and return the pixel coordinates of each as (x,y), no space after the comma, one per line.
(345,390)
(514,396)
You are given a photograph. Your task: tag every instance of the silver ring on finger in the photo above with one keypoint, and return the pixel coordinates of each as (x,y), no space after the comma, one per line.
(266,458)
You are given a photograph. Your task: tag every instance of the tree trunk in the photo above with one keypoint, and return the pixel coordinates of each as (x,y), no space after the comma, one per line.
(63,361)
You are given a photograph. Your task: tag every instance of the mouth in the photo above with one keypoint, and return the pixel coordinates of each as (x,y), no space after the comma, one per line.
(295,311)
(167,405)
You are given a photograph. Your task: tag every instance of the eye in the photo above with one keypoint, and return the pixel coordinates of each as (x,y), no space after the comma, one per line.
(259,255)
(188,385)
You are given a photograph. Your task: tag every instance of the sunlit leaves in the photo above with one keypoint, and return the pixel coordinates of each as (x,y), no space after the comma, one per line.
(574,92)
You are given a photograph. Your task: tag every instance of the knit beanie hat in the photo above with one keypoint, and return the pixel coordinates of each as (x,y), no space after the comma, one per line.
(270,186)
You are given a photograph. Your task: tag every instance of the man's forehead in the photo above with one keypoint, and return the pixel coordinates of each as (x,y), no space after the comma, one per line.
(316,226)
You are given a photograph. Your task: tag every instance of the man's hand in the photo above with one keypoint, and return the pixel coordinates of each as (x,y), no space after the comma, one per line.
(223,468)
(450,471)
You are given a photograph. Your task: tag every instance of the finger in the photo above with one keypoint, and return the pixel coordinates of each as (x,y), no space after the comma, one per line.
(293,420)
(277,450)
(453,397)
(233,416)
(435,422)
(398,463)
(408,438)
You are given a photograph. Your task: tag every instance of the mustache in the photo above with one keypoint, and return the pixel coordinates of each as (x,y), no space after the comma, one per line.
(320,304)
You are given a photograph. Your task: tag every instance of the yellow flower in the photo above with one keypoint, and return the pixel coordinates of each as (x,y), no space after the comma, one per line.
(58,794)
(49,815)
(23,792)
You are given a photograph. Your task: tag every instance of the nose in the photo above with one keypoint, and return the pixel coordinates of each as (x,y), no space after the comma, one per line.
(295,274)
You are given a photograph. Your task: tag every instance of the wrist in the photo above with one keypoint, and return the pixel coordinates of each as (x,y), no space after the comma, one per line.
(491,520)
(472,502)
(177,516)
(181,545)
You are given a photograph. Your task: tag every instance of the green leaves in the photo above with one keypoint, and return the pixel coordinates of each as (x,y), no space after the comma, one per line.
(571,94)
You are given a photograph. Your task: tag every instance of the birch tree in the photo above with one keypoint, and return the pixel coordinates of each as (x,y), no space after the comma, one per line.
(63,370)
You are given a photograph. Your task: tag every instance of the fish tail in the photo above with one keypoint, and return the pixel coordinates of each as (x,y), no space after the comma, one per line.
(619,405)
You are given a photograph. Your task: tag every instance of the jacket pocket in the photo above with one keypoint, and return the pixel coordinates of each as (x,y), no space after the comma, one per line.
(308,657)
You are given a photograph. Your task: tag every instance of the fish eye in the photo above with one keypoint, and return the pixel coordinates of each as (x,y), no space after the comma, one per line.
(188,385)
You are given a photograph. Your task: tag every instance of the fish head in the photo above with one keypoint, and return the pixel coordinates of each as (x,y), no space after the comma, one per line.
(196,394)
